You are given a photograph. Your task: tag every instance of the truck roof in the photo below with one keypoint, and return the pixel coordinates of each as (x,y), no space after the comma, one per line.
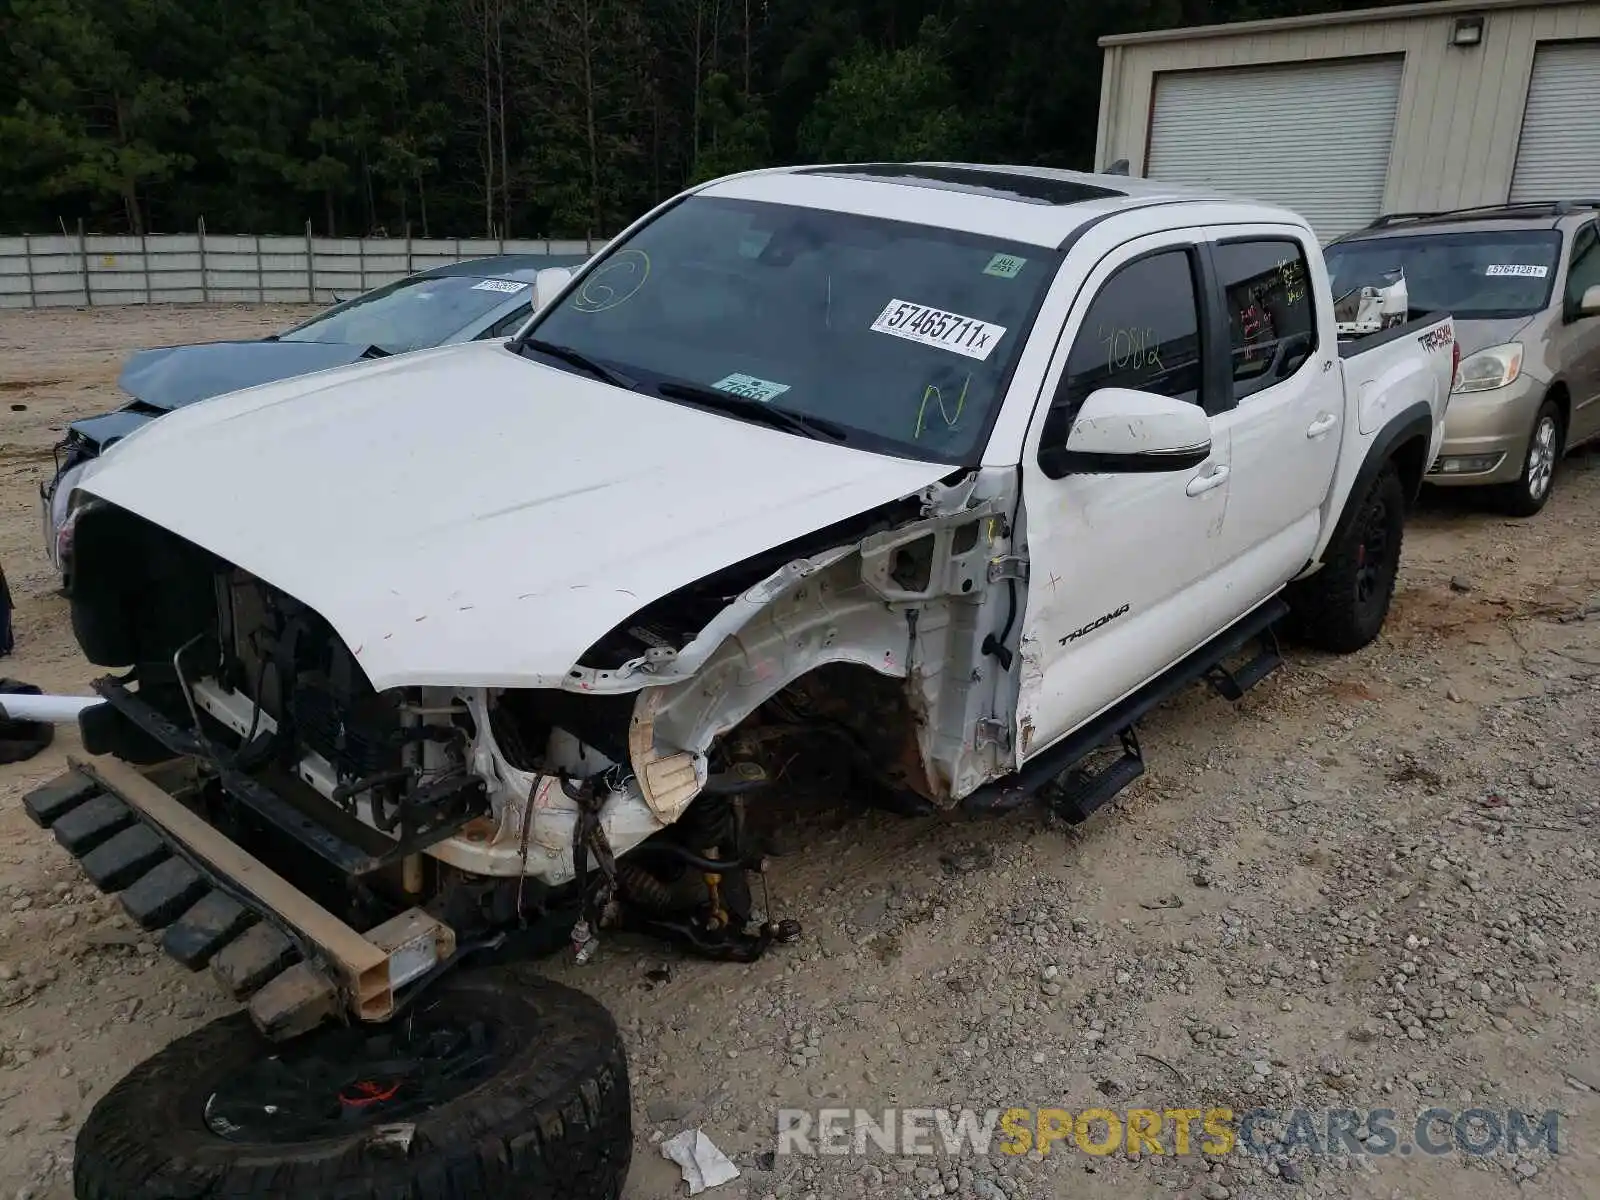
(1036,205)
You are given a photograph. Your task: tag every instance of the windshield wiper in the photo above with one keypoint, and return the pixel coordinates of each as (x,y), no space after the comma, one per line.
(582,361)
(742,406)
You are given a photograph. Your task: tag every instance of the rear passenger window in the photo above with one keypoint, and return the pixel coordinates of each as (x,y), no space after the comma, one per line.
(1266,287)
(1142,331)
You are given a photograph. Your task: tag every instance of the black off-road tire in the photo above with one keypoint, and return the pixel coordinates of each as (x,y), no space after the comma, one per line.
(551,1123)
(21,740)
(1540,461)
(1343,606)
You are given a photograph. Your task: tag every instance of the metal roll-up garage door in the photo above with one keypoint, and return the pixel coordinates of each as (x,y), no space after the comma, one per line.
(1314,137)
(1559,155)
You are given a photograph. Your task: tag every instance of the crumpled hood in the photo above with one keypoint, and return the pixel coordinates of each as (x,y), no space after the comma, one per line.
(468,517)
(112,426)
(172,376)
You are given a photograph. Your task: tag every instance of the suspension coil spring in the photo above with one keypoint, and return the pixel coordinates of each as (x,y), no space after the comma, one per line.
(643,888)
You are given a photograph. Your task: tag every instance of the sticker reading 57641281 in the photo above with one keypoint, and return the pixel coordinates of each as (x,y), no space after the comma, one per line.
(498,285)
(1524,270)
(935,327)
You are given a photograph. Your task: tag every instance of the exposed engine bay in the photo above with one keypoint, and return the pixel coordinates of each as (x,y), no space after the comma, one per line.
(880,644)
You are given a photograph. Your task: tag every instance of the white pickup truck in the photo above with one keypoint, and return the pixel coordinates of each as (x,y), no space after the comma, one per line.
(964,468)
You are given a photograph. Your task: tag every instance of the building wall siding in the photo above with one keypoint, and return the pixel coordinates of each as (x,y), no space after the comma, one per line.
(1460,113)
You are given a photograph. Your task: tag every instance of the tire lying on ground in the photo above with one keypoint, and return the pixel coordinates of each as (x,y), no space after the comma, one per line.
(21,740)
(498,1083)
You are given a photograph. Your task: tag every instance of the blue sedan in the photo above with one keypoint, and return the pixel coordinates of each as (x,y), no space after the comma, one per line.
(480,298)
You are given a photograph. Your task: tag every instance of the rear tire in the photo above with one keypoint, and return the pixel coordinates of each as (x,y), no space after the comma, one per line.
(1343,606)
(499,1083)
(1532,489)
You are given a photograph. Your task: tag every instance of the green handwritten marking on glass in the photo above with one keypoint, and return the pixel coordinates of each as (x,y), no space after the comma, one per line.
(1005,266)
(931,392)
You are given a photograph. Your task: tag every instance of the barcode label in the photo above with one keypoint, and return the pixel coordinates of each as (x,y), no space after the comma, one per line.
(935,327)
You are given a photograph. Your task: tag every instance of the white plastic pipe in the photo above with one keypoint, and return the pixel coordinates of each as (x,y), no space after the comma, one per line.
(56,710)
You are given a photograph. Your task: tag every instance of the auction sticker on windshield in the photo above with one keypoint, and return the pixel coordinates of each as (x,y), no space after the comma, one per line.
(1530,272)
(935,327)
(498,285)
(751,388)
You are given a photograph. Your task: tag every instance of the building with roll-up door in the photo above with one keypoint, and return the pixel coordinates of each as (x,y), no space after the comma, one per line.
(1347,116)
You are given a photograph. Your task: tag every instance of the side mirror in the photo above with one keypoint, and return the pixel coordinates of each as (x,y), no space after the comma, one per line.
(1589,305)
(547,285)
(1119,431)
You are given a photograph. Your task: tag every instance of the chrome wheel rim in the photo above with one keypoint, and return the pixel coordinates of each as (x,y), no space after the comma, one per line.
(1542,458)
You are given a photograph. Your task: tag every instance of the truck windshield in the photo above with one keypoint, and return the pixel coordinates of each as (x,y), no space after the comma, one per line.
(1485,276)
(895,337)
(412,314)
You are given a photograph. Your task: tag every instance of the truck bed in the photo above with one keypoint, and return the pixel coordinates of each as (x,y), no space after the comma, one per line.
(1351,347)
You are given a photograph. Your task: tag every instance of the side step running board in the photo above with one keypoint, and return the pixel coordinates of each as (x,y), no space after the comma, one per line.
(1081,792)
(1233,684)
(1005,795)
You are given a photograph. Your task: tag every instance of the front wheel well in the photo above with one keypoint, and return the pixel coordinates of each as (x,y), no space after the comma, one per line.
(866,715)
(1562,399)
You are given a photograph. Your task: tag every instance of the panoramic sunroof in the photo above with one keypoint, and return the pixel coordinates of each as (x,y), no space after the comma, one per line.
(1003,185)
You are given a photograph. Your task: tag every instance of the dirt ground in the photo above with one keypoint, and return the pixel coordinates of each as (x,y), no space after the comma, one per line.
(1372,884)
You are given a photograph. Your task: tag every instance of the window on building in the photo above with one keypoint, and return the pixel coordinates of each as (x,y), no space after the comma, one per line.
(1272,323)
(1142,331)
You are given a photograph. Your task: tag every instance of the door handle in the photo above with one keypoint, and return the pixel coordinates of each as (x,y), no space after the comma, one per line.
(1201,484)
(1321,425)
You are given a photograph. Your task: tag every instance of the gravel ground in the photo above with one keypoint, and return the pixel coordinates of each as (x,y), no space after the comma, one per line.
(1370,885)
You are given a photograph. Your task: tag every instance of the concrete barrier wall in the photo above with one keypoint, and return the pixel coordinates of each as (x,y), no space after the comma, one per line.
(89,270)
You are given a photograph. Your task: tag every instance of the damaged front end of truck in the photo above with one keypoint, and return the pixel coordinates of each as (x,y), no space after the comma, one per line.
(875,653)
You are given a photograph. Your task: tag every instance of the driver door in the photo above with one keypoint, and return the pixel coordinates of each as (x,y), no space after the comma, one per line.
(1121,564)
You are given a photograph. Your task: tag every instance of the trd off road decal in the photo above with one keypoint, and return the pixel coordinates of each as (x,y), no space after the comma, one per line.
(1093,625)
(1436,339)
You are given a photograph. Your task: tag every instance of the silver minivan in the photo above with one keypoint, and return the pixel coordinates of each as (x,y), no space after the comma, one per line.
(1523,282)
